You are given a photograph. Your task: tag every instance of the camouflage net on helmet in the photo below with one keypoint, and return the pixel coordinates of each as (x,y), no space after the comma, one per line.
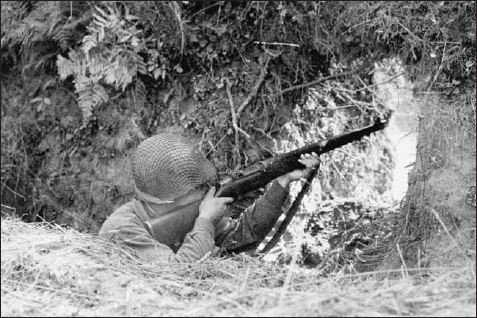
(167,166)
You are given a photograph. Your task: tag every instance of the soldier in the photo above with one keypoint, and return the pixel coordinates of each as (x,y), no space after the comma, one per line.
(166,167)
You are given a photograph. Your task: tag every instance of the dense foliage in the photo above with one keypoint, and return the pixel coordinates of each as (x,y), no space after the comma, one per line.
(83,81)
(108,46)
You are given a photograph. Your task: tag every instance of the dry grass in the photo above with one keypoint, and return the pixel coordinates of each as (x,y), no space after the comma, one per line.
(50,271)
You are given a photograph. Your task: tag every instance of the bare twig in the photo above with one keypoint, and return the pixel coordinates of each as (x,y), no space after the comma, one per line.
(277,43)
(457,245)
(342,151)
(254,91)
(337,170)
(264,148)
(234,115)
(404,267)
(438,70)
(168,95)
(324,79)
(291,268)
(15,193)
(234,123)
(237,129)
(357,25)
(409,31)
(366,87)
(214,147)
(356,103)
(377,84)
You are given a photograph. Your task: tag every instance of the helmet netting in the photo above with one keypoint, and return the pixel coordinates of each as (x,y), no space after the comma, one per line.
(168,166)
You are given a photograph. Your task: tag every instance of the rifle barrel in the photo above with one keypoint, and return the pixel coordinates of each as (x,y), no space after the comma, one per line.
(274,167)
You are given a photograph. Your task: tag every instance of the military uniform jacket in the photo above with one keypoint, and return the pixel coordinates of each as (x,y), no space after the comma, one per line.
(126,226)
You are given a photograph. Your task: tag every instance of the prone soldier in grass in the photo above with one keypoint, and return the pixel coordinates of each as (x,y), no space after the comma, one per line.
(166,167)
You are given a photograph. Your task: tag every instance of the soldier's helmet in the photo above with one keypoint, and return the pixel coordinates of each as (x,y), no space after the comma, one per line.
(167,166)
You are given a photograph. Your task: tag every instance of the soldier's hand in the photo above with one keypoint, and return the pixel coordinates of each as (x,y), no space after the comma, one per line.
(310,161)
(212,208)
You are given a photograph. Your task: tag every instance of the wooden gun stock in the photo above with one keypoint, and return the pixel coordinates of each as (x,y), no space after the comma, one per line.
(170,229)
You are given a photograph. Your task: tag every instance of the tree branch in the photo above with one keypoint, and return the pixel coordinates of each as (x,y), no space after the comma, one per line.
(324,79)
(369,86)
(237,129)
(254,91)
(277,43)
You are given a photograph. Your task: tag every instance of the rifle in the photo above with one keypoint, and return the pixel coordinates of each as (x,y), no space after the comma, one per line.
(171,228)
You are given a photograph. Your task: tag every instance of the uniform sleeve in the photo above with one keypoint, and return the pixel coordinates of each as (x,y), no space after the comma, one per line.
(254,224)
(197,243)
(125,227)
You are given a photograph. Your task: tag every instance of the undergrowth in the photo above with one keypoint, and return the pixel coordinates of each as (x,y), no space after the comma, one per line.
(50,271)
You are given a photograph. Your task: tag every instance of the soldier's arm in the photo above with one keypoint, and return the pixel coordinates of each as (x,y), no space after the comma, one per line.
(255,223)
(126,228)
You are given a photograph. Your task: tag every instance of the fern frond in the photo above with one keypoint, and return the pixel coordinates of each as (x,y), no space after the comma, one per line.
(12,12)
(40,58)
(43,11)
(15,36)
(110,73)
(64,37)
(139,93)
(100,21)
(44,23)
(43,20)
(90,97)
(123,73)
(105,57)
(98,66)
(45,63)
(106,20)
(83,82)
(89,42)
(76,65)
(136,63)
(65,67)
(141,67)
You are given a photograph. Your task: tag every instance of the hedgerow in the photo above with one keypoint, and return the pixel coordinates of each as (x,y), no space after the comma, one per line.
(228,72)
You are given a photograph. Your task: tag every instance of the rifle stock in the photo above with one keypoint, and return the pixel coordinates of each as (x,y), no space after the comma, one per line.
(170,229)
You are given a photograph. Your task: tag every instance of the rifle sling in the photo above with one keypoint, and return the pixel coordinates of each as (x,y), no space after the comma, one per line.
(290,214)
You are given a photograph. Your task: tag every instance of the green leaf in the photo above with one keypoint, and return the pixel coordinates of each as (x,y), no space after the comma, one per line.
(135,42)
(35,100)
(49,83)
(156,73)
(124,38)
(99,20)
